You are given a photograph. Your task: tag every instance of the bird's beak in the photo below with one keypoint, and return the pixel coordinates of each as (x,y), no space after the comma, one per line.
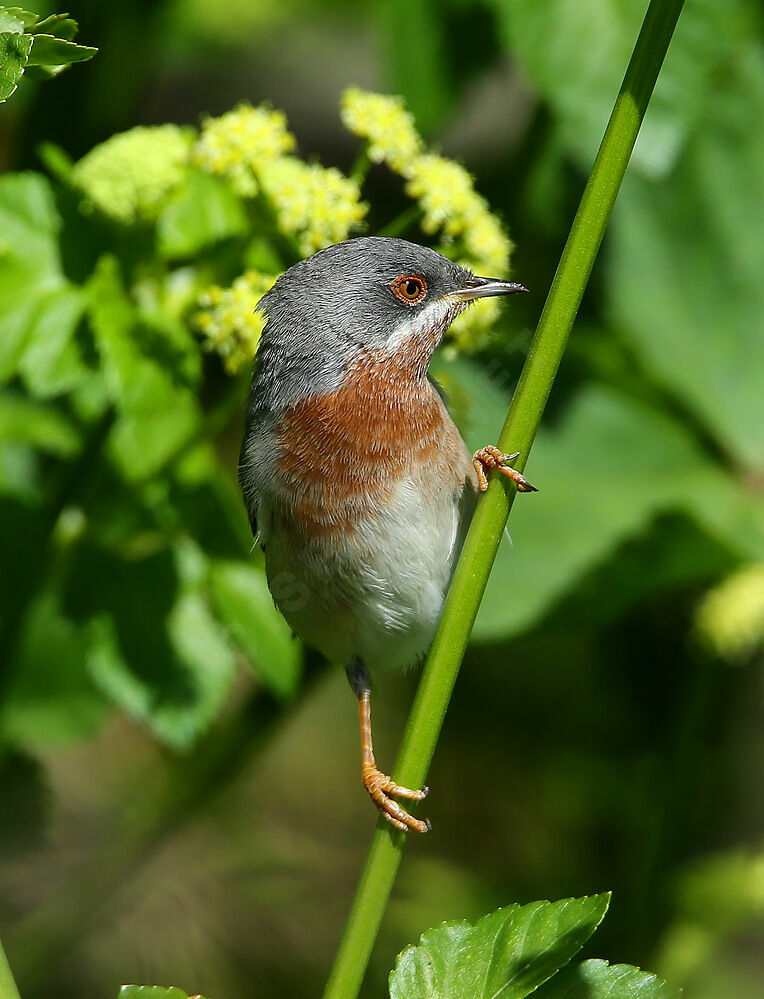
(483,287)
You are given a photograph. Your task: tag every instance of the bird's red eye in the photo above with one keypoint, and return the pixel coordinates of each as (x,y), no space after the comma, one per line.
(409,288)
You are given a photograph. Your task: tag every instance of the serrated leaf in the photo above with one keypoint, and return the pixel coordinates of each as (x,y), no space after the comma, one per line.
(243,602)
(11,20)
(202,211)
(505,955)
(597,979)
(686,259)
(48,50)
(153,992)
(14,51)
(608,468)
(60,25)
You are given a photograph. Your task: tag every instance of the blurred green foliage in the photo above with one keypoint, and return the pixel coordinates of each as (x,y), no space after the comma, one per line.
(594,742)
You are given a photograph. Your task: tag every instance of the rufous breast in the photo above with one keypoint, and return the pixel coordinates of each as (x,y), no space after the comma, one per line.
(342,454)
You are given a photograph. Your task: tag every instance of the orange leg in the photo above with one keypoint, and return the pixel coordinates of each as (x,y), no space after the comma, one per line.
(382,790)
(491,457)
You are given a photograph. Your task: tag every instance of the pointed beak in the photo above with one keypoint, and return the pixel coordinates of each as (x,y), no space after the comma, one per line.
(483,287)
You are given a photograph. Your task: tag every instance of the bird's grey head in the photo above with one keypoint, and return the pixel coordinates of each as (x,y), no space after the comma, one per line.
(370,296)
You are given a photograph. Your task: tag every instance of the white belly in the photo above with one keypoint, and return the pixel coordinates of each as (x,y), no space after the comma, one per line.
(377,592)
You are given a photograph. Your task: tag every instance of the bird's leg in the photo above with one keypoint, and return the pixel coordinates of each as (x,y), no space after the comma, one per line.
(380,787)
(491,457)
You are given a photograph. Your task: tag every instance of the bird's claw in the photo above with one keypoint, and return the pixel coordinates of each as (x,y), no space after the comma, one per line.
(492,457)
(381,790)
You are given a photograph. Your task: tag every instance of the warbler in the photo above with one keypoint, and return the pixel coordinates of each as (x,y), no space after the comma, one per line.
(358,485)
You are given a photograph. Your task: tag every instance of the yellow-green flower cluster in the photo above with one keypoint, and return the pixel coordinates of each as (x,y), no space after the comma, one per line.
(450,205)
(314,205)
(229,320)
(238,144)
(730,619)
(386,125)
(129,176)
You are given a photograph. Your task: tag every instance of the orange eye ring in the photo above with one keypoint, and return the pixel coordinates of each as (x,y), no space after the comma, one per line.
(409,288)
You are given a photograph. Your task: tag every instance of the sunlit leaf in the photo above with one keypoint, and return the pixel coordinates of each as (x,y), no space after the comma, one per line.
(30,268)
(14,51)
(153,992)
(48,50)
(60,25)
(52,362)
(599,980)
(244,604)
(202,211)
(12,20)
(156,411)
(505,955)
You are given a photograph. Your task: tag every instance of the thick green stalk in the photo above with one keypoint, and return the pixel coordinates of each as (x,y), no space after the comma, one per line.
(519,431)
(8,988)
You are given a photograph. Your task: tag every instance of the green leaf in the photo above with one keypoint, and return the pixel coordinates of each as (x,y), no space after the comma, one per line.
(243,602)
(597,979)
(153,992)
(48,50)
(29,220)
(154,646)
(686,260)
(202,211)
(14,52)
(604,473)
(52,362)
(26,421)
(30,266)
(417,63)
(60,25)
(157,411)
(12,21)
(505,955)
(48,702)
(550,41)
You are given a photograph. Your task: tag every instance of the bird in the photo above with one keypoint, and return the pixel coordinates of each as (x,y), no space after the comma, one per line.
(357,483)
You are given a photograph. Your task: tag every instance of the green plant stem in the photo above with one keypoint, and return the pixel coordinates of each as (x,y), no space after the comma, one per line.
(471,576)
(8,988)
(401,223)
(361,167)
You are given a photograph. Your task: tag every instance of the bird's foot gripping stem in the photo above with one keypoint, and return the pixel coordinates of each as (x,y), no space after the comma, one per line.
(383,792)
(492,457)
(382,789)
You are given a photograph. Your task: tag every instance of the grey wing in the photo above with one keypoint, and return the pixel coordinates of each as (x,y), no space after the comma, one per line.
(250,465)
(438,388)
